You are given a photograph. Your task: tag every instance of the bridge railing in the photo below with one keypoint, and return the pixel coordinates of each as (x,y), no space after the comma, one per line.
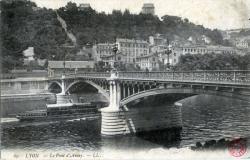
(83,74)
(236,76)
(95,74)
(230,76)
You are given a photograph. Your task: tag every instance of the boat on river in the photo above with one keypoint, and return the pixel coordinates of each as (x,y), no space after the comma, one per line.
(62,111)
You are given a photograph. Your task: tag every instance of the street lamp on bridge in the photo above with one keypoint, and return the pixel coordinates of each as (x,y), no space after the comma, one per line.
(115,50)
(168,51)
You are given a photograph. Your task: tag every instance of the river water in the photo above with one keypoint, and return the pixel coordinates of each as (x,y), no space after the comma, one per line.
(204,118)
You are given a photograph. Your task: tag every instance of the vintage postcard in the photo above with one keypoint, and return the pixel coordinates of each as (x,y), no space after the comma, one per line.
(125,79)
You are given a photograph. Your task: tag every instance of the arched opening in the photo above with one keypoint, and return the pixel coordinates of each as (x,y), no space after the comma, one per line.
(79,87)
(55,87)
(158,100)
(86,91)
(176,94)
(211,110)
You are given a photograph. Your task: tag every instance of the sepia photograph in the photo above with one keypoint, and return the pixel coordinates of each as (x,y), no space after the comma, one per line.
(124,79)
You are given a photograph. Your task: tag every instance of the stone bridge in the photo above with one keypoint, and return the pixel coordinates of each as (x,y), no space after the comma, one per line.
(125,89)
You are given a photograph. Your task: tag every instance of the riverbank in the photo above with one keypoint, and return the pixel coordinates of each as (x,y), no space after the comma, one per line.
(12,104)
(26,95)
(8,120)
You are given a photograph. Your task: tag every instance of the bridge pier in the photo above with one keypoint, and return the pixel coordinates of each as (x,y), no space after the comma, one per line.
(139,120)
(62,98)
(113,120)
(117,120)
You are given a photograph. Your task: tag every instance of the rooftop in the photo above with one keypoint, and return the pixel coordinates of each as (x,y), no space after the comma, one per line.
(130,40)
(147,5)
(71,64)
(29,52)
(84,5)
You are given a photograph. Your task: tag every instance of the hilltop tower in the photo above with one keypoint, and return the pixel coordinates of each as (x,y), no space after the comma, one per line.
(148,8)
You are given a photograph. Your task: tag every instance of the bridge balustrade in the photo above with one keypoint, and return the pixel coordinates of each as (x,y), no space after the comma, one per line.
(94,74)
(238,76)
(83,74)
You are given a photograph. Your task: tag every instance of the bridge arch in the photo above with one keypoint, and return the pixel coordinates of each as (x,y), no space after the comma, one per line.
(56,84)
(189,91)
(98,87)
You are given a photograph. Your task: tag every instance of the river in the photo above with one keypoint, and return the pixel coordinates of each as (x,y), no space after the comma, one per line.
(204,118)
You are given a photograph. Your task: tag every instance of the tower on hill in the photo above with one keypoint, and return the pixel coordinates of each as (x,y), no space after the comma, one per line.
(148,8)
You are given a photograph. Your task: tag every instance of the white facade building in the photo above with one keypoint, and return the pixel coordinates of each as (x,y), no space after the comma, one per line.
(132,48)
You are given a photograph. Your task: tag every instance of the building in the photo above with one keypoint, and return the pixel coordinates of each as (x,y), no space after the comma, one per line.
(221,49)
(194,49)
(148,62)
(241,43)
(148,8)
(29,55)
(157,43)
(206,39)
(157,49)
(132,48)
(84,6)
(176,53)
(202,49)
(58,67)
(102,50)
(157,40)
(119,58)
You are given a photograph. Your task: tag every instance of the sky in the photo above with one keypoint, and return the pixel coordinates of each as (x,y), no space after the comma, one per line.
(221,14)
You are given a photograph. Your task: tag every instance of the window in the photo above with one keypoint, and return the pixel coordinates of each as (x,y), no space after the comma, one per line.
(119,58)
(174,54)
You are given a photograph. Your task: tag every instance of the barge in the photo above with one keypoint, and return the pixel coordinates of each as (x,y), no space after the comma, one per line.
(62,112)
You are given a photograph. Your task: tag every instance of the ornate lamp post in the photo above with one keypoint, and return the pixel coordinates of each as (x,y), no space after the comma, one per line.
(64,63)
(167,52)
(115,49)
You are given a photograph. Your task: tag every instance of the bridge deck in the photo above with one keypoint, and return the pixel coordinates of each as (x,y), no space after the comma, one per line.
(237,78)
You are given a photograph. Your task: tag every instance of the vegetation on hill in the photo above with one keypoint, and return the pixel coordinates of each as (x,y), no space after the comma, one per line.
(213,62)
(24,25)
(91,26)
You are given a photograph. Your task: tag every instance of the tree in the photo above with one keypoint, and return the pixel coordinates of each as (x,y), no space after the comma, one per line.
(212,61)
(22,27)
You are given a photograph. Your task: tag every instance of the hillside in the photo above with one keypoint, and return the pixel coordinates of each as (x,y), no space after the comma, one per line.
(90,26)
(23,24)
